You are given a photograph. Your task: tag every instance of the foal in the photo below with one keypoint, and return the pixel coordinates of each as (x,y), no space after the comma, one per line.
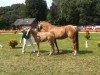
(42,37)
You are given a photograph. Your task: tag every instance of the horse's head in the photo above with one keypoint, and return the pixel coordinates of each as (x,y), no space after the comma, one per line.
(43,26)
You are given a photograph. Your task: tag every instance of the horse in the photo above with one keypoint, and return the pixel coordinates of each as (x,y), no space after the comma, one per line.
(61,32)
(42,37)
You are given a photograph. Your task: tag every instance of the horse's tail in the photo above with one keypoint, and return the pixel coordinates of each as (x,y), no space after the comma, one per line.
(77,39)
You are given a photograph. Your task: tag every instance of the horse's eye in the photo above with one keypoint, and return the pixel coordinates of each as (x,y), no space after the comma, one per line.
(40,27)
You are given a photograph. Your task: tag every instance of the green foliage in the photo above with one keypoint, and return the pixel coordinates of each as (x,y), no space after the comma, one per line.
(98,43)
(52,16)
(62,12)
(96,20)
(79,12)
(9,14)
(36,8)
(13,43)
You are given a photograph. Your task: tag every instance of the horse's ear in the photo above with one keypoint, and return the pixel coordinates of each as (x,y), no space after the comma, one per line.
(39,26)
(38,22)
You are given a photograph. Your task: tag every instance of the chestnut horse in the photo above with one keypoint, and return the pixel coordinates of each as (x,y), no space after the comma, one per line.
(61,32)
(42,37)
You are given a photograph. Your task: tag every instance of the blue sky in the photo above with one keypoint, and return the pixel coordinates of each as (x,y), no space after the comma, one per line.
(10,2)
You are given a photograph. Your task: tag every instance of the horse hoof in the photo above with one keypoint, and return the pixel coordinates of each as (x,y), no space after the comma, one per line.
(57,52)
(49,54)
(38,55)
(75,54)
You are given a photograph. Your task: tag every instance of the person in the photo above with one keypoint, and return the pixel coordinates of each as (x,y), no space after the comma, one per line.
(88,35)
(26,36)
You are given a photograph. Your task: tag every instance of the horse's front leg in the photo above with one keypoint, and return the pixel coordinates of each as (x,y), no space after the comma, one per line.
(75,52)
(38,49)
(56,45)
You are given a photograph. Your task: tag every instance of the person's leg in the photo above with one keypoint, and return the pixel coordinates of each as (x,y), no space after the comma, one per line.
(24,45)
(32,45)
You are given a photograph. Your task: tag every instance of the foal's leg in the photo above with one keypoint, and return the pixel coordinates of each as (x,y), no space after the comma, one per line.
(38,49)
(56,45)
(52,47)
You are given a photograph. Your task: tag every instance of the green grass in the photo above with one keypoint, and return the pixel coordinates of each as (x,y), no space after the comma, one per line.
(87,62)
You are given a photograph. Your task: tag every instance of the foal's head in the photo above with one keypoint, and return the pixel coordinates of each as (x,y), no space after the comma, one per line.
(34,31)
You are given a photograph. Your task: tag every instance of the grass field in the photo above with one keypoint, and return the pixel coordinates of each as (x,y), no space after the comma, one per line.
(87,62)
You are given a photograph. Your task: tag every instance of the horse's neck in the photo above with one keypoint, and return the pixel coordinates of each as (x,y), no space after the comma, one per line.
(51,26)
(34,33)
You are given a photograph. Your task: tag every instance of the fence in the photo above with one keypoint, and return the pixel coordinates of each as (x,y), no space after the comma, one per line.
(9,31)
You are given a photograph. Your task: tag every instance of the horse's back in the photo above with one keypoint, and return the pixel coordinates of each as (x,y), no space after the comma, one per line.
(59,32)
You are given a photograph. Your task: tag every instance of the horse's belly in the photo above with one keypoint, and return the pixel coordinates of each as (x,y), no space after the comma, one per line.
(43,39)
(61,36)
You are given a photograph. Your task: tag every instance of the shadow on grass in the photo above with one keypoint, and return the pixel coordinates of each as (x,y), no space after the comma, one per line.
(80,52)
(64,52)
(44,51)
(85,52)
(18,47)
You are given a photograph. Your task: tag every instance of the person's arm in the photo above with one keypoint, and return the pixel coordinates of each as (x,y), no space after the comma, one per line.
(21,37)
(27,32)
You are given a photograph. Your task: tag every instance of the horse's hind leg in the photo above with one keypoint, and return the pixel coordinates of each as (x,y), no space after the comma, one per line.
(75,46)
(56,45)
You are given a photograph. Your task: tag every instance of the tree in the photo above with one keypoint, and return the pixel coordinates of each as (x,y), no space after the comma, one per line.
(9,14)
(66,12)
(36,9)
(87,11)
(52,16)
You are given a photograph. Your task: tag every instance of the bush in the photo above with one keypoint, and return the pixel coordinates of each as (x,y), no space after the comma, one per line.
(98,43)
(13,43)
(87,36)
